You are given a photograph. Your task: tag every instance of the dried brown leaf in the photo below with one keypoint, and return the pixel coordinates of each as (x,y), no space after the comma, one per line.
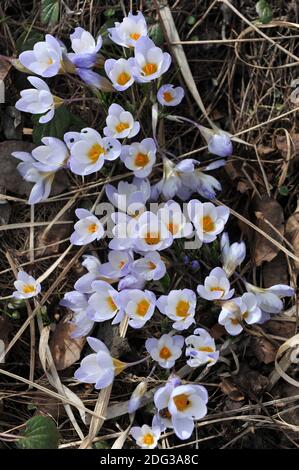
(229,388)
(263,350)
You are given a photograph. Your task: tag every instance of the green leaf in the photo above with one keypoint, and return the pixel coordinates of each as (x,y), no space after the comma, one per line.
(165,282)
(40,433)
(191,20)
(28,39)
(156,34)
(109,12)
(50,12)
(264,11)
(62,122)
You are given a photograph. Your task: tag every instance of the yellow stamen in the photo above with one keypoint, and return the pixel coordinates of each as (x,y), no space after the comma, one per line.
(142,307)
(94,152)
(92,228)
(49,61)
(28,288)
(149,69)
(181,402)
(151,265)
(141,159)
(217,288)
(165,353)
(111,303)
(123,78)
(121,264)
(167,96)
(173,228)
(182,308)
(152,238)
(122,126)
(135,36)
(148,439)
(234,321)
(206,349)
(207,224)
(165,413)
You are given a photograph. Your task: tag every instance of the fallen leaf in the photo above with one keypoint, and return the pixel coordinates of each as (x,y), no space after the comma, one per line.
(65,349)
(217,331)
(292,235)
(229,388)
(263,350)
(285,329)
(251,382)
(5,67)
(267,210)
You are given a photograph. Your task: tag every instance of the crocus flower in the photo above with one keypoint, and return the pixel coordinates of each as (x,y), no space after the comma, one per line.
(87,229)
(151,267)
(120,123)
(219,142)
(269,300)
(100,367)
(138,305)
(161,399)
(84,283)
(120,73)
(85,48)
(216,286)
(129,30)
(129,197)
(104,303)
(135,401)
(145,436)
(51,156)
(230,317)
(165,350)
(207,219)
(140,157)
(90,151)
(131,281)
(38,100)
(78,303)
(26,286)
(150,62)
(168,95)
(172,216)
(178,305)
(150,233)
(201,349)
(232,255)
(187,402)
(45,59)
(119,265)
(43,180)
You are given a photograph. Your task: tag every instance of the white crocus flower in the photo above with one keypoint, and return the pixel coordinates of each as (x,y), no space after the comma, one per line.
(104,303)
(26,286)
(161,400)
(207,219)
(78,303)
(219,142)
(123,231)
(232,255)
(90,151)
(216,286)
(140,157)
(149,233)
(145,436)
(120,73)
(138,305)
(172,216)
(130,30)
(269,300)
(234,312)
(51,156)
(84,45)
(118,265)
(100,367)
(168,95)
(151,267)
(201,349)
(150,62)
(84,283)
(120,123)
(45,59)
(179,306)
(87,229)
(38,100)
(165,350)
(129,197)
(187,403)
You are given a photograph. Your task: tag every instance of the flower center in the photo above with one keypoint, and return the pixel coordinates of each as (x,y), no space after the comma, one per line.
(123,78)
(245,315)
(122,126)
(151,265)
(167,96)
(173,228)
(50,61)
(217,289)
(135,36)
(111,303)
(141,159)
(148,439)
(92,228)
(28,288)
(94,152)
(181,402)
(149,69)
(165,353)
(121,264)
(206,349)
(207,224)
(234,321)
(142,307)
(152,238)
(182,308)
(165,413)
